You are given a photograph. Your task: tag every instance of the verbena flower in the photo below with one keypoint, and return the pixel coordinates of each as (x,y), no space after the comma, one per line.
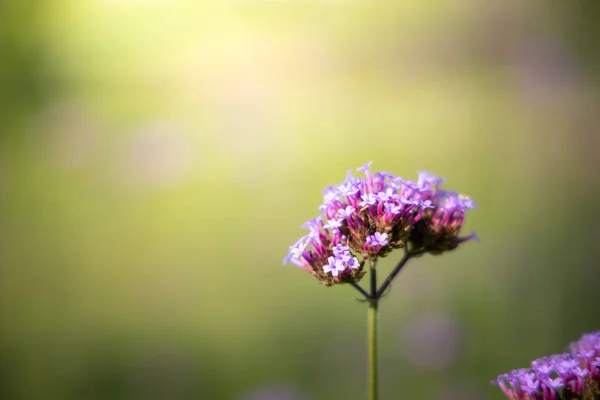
(574,375)
(369,217)
(443,214)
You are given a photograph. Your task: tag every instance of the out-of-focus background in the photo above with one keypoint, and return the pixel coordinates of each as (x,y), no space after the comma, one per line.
(157,158)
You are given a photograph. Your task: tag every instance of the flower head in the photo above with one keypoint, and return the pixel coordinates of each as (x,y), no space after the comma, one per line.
(443,214)
(368,217)
(561,376)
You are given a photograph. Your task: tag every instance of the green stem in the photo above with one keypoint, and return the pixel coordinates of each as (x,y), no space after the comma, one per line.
(372,328)
(360,289)
(395,271)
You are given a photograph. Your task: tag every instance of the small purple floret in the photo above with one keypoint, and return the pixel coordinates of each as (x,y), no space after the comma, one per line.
(334,266)
(365,167)
(556,383)
(347,189)
(368,199)
(392,208)
(334,223)
(589,354)
(378,239)
(346,212)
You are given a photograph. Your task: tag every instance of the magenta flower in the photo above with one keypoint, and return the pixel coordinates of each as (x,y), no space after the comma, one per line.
(374,215)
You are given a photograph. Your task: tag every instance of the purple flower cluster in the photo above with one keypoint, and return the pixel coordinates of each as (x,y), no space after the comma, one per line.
(567,376)
(369,217)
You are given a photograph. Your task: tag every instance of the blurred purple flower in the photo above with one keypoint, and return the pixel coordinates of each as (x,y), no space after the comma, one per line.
(560,376)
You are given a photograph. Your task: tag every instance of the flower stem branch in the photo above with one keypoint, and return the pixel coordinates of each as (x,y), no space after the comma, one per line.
(388,281)
(360,289)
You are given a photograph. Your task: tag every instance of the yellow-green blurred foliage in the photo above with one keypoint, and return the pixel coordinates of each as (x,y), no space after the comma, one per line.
(158,157)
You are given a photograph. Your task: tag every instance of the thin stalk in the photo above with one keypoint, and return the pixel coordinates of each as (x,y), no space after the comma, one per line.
(360,289)
(373,275)
(392,275)
(372,330)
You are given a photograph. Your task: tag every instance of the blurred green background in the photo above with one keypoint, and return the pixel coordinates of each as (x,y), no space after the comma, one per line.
(157,158)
